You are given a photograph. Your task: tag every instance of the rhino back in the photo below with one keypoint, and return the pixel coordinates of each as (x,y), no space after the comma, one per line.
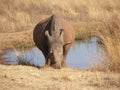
(69,33)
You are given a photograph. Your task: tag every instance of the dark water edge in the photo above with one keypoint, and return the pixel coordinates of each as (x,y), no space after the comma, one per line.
(82,55)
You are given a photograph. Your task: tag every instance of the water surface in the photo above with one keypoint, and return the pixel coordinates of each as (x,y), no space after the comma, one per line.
(81,55)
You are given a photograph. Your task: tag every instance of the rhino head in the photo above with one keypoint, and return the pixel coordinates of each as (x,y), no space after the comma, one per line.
(55,42)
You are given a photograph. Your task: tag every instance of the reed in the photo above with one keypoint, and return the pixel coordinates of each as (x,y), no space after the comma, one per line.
(111,43)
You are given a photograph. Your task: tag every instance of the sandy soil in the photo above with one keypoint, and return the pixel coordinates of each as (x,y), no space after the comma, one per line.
(19,77)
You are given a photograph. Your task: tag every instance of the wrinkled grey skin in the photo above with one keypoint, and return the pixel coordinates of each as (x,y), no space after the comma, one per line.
(54,38)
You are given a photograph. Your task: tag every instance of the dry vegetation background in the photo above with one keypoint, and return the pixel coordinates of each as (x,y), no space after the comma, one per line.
(99,18)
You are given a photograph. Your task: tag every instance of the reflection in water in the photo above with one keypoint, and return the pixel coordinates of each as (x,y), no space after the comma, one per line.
(11,57)
(81,55)
(33,56)
(85,54)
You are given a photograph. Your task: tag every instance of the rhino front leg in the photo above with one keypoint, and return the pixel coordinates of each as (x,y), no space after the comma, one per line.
(47,63)
(63,63)
(47,59)
(65,52)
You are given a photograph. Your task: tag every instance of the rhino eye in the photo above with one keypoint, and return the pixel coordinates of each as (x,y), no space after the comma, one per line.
(61,30)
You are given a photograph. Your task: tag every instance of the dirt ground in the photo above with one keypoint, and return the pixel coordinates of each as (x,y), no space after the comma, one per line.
(19,77)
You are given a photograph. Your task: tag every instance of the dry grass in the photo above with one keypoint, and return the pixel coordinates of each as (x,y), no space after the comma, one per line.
(111,42)
(29,78)
(18,39)
(23,15)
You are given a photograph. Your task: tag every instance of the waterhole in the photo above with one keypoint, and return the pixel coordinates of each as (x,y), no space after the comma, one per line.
(82,54)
